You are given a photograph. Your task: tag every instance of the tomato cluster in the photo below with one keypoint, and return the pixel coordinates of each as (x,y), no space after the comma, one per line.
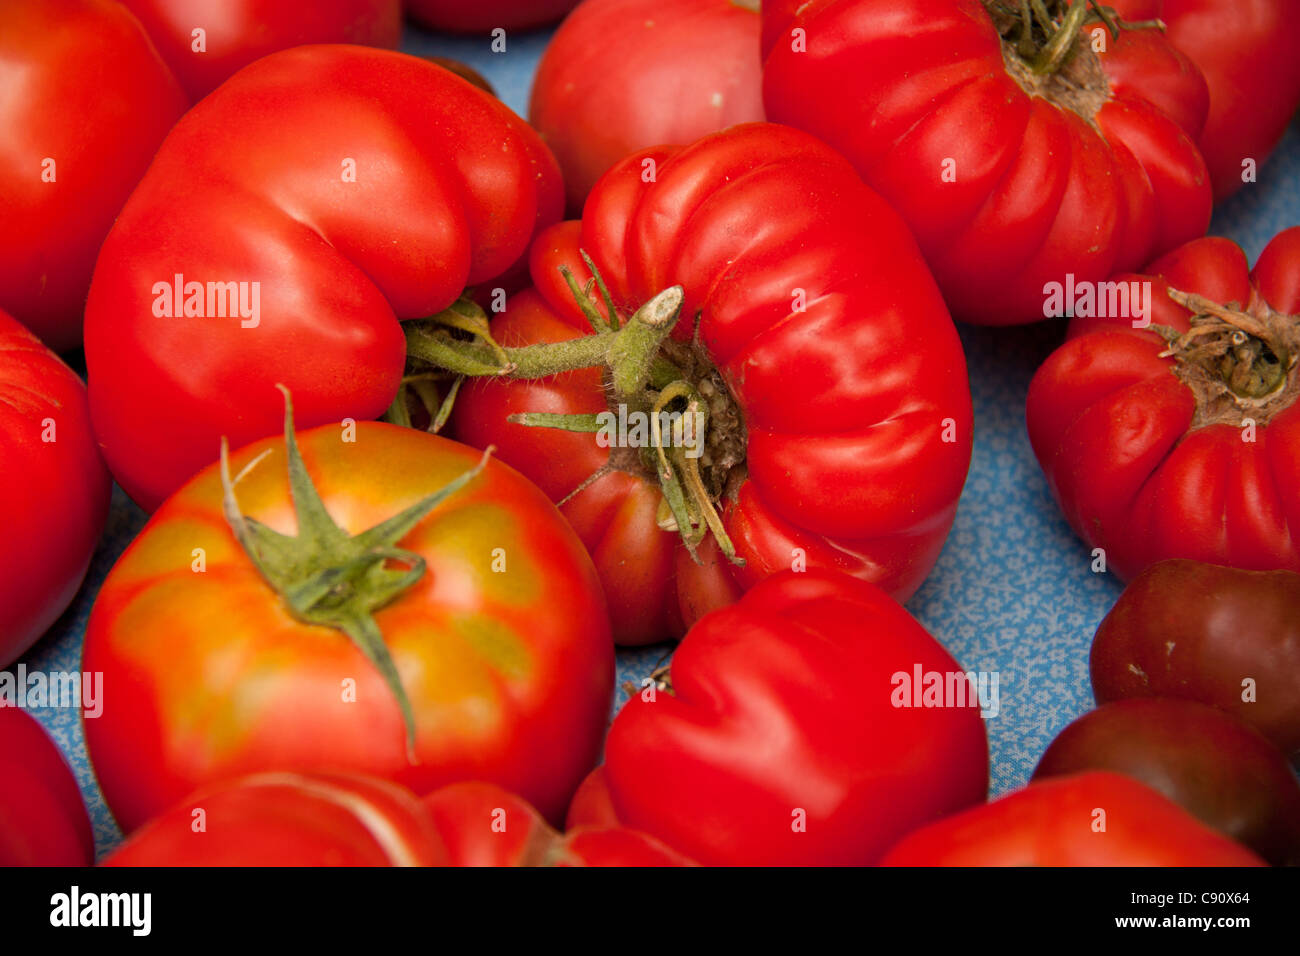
(725,404)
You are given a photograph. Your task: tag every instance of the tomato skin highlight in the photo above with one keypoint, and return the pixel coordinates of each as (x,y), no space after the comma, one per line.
(781,712)
(1112,428)
(56,483)
(1052,823)
(484,825)
(253,187)
(856,407)
(237,32)
(1197,632)
(289,819)
(43,820)
(624,75)
(509,671)
(91,100)
(1004,191)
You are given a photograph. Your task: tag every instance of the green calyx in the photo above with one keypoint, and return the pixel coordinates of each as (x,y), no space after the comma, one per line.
(1239,363)
(1044,33)
(645,373)
(328,577)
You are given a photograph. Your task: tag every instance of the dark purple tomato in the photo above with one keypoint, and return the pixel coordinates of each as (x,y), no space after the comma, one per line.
(1218,768)
(1220,636)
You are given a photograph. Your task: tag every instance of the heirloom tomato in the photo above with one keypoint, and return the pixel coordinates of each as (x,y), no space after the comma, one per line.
(1181,438)
(1201,632)
(43,820)
(85,101)
(807,353)
(789,732)
(1019,148)
(1220,770)
(237,32)
(55,484)
(622,75)
(289,819)
(1087,819)
(483,825)
(286,225)
(1247,51)
(480,16)
(592,805)
(457,634)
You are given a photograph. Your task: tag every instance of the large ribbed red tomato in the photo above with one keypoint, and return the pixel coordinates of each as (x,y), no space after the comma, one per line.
(1016,158)
(289,819)
(1247,51)
(54,483)
(350,627)
(790,732)
(205,41)
(286,225)
(483,825)
(43,820)
(838,428)
(86,100)
(622,75)
(1182,440)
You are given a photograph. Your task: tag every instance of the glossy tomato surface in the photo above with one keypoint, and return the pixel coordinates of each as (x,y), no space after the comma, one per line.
(1246,50)
(87,99)
(1087,819)
(237,32)
(1009,179)
(54,482)
(484,825)
(332,190)
(481,16)
(43,820)
(622,75)
(289,819)
(1203,632)
(840,379)
(781,739)
(1151,456)
(1225,773)
(502,644)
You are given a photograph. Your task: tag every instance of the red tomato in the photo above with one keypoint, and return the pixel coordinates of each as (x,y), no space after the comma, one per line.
(1009,178)
(839,426)
(1089,819)
(1206,633)
(237,32)
(1247,51)
(55,483)
(1203,463)
(332,190)
(782,739)
(1214,766)
(499,642)
(592,805)
(481,16)
(43,821)
(289,819)
(86,102)
(622,75)
(484,825)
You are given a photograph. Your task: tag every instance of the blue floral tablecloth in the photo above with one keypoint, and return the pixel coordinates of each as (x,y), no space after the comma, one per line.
(1013,591)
